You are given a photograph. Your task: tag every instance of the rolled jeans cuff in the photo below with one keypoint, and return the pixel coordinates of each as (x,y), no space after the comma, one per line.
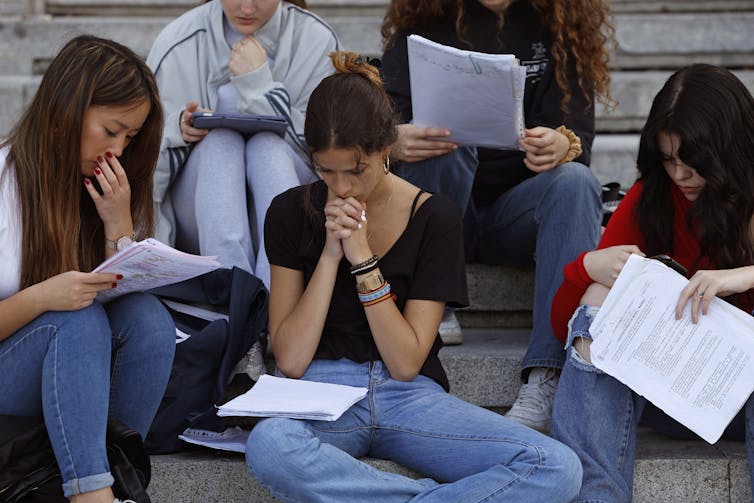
(87,484)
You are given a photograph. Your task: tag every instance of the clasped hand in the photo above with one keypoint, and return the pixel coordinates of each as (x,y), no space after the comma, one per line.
(544,148)
(246,56)
(346,226)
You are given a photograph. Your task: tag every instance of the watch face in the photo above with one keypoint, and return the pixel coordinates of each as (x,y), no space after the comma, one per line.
(123,243)
(372,282)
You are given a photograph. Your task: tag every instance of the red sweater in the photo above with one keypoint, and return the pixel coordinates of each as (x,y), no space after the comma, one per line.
(623,229)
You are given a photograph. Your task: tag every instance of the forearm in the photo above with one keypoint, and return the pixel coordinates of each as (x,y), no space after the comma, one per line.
(295,339)
(401,347)
(18,310)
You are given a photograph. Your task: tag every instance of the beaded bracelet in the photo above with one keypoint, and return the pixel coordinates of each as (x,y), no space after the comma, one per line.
(574,149)
(357,268)
(376,294)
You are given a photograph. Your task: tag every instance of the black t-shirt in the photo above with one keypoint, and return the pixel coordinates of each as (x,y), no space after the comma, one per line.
(524,36)
(426,262)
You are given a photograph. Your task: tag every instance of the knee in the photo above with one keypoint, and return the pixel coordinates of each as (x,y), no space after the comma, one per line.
(576,179)
(143,315)
(567,468)
(272,446)
(85,328)
(222,136)
(266,143)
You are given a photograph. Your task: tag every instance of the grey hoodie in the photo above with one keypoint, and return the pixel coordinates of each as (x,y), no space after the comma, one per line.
(190,60)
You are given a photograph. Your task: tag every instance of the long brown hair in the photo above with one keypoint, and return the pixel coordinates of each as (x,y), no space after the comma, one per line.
(61,229)
(579,28)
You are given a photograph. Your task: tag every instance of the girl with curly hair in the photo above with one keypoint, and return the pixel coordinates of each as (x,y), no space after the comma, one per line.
(362,265)
(694,201)
(540,201)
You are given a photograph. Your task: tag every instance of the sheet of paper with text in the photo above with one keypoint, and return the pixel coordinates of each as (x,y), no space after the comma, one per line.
(478,97)
(699,374)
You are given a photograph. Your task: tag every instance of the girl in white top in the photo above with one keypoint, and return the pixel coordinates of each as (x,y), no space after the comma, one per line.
(75,185)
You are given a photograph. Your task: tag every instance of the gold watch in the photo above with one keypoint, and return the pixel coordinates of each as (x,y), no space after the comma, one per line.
(370,283)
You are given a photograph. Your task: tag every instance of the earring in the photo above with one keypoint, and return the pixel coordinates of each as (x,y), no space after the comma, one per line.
(386,165)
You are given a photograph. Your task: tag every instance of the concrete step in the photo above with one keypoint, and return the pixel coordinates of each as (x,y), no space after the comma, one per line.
(646,40)
(484,370)
(666,471)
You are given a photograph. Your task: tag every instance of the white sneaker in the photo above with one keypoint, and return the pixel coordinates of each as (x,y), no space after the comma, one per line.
(533,406)
(450,329)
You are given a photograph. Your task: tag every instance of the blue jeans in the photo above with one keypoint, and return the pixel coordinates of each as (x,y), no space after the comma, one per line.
(597,417)
(545,221)
(76,367)
(472,454)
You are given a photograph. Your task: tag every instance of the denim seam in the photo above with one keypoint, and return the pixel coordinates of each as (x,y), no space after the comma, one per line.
(59,423)
(26,336)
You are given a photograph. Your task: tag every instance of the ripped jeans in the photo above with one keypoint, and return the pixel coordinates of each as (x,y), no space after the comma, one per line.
(597,416)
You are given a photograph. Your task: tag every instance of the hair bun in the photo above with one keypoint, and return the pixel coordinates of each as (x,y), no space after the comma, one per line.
(351,62)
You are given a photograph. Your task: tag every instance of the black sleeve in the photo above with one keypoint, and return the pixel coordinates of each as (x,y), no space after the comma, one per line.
(395,77)
(283,228)
(441,271)
(580,117)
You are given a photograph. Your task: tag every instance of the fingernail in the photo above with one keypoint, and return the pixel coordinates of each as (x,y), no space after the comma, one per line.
(86,181)
(109,155)
(97,171)
(114,285)
(118,276)
(100,159)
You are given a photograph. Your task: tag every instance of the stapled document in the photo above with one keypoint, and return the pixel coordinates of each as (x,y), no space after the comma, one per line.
(477,96)
(699,374)
(293,398)
(149,264)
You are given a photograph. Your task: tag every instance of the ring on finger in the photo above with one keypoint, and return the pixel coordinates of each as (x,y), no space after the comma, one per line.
(700,293)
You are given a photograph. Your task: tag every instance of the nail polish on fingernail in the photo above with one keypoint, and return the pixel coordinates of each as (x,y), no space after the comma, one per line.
(109,155)
(100,159)
(86,181)
(97,171)
(118,276)
(114,285)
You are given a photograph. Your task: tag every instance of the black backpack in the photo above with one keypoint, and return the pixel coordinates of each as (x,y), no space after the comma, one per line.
(206,350)
(30,474)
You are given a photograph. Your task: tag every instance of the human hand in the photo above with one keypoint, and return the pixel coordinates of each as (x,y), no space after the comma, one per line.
(417,143)
(705,285)
(114,203)
(346,218)
(544,148)
(189,133)
(246,56)
(73,290)
(604,265)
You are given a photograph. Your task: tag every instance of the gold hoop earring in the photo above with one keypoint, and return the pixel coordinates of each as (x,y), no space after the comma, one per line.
(386,165)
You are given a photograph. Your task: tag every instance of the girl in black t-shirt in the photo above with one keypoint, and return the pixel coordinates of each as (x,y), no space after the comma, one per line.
(363,264)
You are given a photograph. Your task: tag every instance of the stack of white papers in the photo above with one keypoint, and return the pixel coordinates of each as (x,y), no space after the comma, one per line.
(699,374)
(477,96)
(293,398)
(149,264)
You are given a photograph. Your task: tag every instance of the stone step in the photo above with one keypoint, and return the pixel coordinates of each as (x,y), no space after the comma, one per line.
(646,40)
(484,370)
(666,471)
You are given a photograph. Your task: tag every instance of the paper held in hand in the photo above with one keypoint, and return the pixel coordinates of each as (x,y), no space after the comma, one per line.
(699,374)
(479,97)
(148,264)
(293,398)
